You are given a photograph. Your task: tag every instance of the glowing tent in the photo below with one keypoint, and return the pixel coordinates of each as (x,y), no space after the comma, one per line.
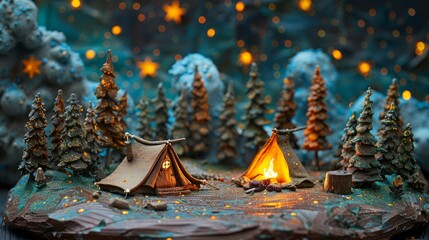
(278,162)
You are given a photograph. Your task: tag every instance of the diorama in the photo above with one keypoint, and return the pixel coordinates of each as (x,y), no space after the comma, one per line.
(205,162)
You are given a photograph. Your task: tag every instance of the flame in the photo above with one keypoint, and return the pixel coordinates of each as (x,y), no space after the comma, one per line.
(269,173)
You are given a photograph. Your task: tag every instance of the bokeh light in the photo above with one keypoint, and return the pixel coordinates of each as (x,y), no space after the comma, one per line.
(364,68)
(90,54)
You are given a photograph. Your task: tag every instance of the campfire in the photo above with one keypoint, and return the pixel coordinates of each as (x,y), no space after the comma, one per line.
(275,167)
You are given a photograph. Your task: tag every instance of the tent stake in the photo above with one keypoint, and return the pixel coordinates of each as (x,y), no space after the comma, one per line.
(213,186)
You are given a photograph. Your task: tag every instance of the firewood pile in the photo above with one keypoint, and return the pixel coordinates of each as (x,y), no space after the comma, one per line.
(252,186)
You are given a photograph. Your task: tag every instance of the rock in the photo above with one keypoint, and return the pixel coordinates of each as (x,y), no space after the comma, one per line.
(119,203)
(157,206)
(40,178)
(96,195)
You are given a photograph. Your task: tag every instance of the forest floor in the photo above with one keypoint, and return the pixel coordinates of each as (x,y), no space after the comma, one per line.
(65,208)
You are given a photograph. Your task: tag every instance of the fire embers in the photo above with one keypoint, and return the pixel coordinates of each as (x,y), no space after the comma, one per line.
(252,186)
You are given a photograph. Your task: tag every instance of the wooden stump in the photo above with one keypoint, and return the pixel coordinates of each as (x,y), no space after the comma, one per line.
(339,182)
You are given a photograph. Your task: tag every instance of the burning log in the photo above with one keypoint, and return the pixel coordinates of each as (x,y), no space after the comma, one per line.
(339,182)
(274,187)
(256,186)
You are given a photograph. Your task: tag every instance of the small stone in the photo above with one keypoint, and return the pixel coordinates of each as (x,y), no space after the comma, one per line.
(157,206)
(119,203)
(96,195)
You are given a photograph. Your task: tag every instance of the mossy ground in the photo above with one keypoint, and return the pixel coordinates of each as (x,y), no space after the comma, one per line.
(285,210)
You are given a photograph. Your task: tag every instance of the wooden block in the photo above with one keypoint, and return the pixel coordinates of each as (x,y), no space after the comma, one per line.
(339,182)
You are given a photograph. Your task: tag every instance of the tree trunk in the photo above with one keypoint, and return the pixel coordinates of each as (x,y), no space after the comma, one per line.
(316,160)
(108,158)
(339,182)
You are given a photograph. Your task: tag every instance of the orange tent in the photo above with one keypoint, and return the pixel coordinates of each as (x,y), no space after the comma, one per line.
(278,162)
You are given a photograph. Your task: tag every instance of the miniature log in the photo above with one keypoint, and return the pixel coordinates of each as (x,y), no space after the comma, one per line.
(339,182)
(289,186)
(274,187)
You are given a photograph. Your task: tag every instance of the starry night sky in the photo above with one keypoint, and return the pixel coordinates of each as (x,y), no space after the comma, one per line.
(368,40)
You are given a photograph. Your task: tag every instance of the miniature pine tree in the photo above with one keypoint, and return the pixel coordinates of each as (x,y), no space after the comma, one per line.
(107,109)
(200,123)
(36,153)
(181,127)
(286,108)
(317,130)
(254,120)
(74,156)
(93,140)
(347,147)
(389,141)
(122,112)
(56,133)
(363,165)
(405,164)
(161,105)
(393,96)
(144,128)
(228,133)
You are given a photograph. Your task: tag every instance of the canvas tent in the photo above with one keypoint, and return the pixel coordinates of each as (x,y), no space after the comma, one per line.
(278,153)
(154,168)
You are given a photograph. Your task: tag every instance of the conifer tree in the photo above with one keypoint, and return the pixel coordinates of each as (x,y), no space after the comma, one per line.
(405,164)
(200,122)
(317,130)
(93,140)
(56,133)
(286,108)
(144,129)
(228,134)
(254,120)
(388,140)
(181,124)
(393,96)
(107,109)
(347,147)
(36,152)
(363,165)
(161,105)
(74,155)
(122,112)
